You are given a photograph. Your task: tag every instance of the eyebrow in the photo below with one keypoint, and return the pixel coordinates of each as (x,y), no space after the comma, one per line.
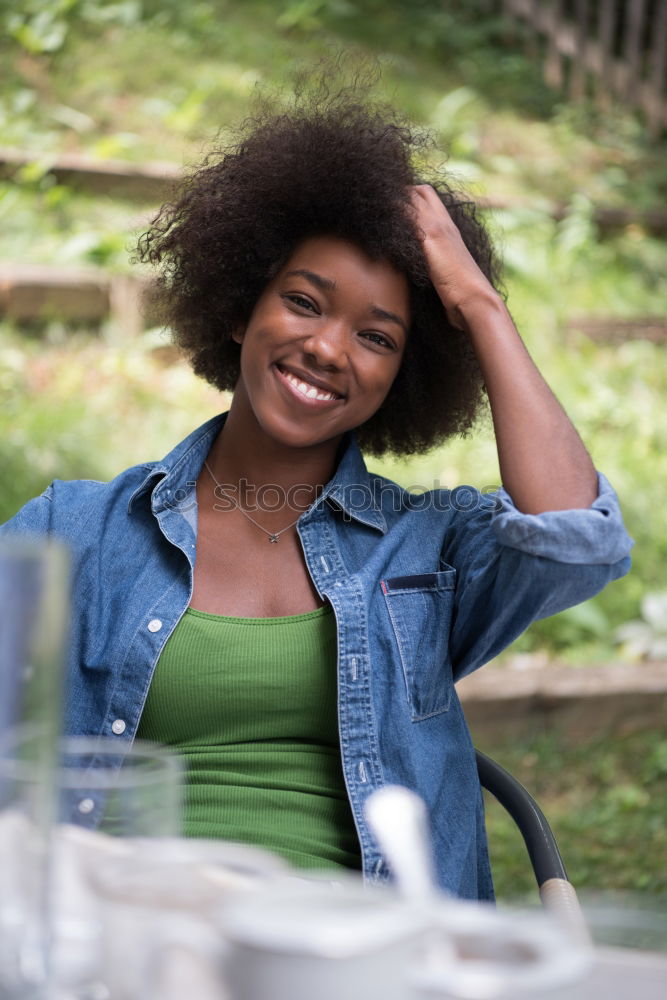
(327,285)
(389,316)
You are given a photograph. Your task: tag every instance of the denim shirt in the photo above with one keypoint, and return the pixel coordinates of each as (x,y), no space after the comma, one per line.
(425,588)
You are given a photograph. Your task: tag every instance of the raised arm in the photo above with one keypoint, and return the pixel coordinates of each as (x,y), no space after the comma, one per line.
(543,462)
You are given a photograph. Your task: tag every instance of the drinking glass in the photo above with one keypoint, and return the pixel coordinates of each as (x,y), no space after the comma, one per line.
(108,796)
(33,622)
(118,789)
(104,794)
(162,938)
(626,919)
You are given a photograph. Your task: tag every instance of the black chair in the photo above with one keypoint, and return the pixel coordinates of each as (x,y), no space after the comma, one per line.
(556,891)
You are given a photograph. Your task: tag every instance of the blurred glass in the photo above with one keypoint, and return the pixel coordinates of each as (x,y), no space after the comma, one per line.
(624,919)
(161,937)
(34,589)
(98,795)
(26,812)
(33,622)
(119,789)
(109,794)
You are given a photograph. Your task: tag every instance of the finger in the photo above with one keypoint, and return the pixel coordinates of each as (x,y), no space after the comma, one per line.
(424,189)
(427,203)
(422,196)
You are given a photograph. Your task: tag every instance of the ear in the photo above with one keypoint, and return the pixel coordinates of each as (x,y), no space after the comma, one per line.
(238,335)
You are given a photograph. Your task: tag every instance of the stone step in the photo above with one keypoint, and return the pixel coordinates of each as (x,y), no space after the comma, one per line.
(36,293)
(580,701)
(153,182)
(147,182)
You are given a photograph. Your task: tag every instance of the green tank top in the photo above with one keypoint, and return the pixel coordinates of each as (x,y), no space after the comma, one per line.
(250,704)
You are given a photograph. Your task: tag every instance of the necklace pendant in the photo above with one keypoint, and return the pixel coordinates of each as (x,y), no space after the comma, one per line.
(273,539)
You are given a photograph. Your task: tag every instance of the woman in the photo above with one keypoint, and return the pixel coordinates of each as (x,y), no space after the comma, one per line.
(290,622)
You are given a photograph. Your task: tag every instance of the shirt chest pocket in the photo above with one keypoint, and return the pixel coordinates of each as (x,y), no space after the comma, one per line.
(420,610)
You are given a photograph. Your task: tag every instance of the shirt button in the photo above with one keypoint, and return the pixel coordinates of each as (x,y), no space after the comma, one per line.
(118,727)
(154,625)
(86,806)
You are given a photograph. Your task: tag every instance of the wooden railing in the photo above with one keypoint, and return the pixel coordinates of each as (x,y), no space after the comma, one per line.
(606,49)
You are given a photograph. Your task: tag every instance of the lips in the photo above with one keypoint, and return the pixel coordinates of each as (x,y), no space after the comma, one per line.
(308,386)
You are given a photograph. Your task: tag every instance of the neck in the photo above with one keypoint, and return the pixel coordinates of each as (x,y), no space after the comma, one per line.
(243,453)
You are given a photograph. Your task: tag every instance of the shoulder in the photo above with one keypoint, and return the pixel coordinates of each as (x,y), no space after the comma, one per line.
(66,507)
(460,503)
(76,495)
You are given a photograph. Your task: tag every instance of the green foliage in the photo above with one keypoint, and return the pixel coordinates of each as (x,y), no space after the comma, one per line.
(74,229)
(78,407)
(37,442)
(310,15)
(42,26)
(605,799)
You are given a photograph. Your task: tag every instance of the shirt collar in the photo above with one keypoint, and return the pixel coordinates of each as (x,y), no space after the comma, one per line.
(351,487)
(184,463)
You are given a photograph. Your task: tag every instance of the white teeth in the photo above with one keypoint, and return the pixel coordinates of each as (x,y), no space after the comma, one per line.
(307,390)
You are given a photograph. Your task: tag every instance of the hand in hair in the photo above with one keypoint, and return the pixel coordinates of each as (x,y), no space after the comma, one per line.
(460,283)
(543,462)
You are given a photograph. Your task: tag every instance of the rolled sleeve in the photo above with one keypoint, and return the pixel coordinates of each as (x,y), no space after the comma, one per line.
(515,568)
(593,535)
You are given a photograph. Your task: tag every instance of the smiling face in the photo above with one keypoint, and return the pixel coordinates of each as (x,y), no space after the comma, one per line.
(323,345)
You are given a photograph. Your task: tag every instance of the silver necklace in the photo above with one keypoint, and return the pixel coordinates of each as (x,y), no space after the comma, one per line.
(273,535)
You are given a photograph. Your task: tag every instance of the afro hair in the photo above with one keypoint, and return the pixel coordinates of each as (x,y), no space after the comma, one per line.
(328,165)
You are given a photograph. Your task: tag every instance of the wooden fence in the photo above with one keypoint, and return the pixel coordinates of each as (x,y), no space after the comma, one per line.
(605,49)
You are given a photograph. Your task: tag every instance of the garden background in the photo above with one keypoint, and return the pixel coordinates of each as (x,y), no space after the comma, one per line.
(155,80)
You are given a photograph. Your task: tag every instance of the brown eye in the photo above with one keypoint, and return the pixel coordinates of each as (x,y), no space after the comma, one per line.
(378,338)
(301,301)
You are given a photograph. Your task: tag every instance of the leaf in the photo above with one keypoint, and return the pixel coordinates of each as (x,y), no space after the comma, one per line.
(452,108)
(654,611)
(42,33)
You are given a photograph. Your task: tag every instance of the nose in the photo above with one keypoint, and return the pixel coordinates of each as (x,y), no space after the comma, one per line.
(328,345)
